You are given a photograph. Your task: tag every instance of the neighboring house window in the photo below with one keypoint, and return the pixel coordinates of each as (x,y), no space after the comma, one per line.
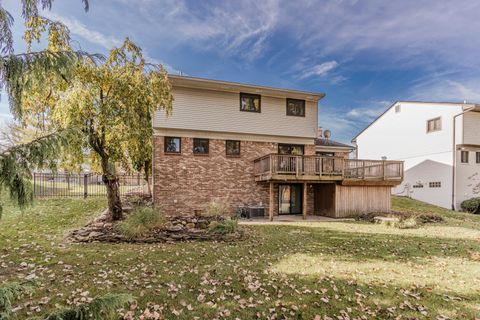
(434,125)
(290,149)
(232,147)
(250,102)
(477,155)
(436,184)
(200,146)
(173,145)
(325,154)
(296,107)
(464,156)
(398,108)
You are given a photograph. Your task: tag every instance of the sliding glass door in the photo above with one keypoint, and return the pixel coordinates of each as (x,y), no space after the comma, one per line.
(290,199)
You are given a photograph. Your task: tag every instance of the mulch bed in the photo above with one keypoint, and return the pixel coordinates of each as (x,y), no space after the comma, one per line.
(420,217)
(178,228)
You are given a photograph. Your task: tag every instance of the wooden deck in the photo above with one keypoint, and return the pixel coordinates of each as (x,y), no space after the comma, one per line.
(317,169)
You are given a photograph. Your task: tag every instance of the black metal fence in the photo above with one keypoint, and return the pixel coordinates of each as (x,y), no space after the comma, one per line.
(58,185)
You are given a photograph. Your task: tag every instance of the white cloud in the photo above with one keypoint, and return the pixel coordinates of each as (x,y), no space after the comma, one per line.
(320,70)
(447,90)
(345,124)
(370,112)
(237,28)
(79,29)
(413,33)
(105,41)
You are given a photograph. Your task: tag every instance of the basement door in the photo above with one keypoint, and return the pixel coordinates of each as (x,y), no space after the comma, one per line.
(290,198)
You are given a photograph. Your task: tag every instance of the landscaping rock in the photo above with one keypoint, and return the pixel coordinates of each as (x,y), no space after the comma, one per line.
(176,228)
(386,219)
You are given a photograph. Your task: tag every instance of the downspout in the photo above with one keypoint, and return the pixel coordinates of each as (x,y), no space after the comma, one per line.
(455,154)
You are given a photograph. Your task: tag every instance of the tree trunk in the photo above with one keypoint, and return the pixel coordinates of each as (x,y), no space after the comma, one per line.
(146,176)
(113,192)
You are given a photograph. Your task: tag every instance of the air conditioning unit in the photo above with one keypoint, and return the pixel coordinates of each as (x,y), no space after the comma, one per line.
(256,212)
(250,212)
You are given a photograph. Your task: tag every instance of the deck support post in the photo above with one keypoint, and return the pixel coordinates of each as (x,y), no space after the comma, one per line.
(270,204)
(304,202)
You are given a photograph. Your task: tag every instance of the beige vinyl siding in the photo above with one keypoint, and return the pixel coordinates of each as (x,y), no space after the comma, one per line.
(471,125)
(208,110)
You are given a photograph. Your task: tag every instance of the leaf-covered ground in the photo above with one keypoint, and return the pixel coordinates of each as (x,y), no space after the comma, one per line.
(307,270)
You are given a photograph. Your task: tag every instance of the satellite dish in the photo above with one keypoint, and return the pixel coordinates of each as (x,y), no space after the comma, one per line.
(327,134)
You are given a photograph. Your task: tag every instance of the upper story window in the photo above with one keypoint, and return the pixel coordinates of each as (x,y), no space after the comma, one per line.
(434,125)
(464,156)
(173,145)
(232,147)
(435,184)
(290,149)
(200,146)
(477,156)
(296,107)
(250,102)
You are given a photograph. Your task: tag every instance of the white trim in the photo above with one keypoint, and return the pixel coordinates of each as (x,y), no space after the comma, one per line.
(231,136)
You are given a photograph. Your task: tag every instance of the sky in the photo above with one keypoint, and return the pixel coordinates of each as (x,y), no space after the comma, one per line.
(364,55)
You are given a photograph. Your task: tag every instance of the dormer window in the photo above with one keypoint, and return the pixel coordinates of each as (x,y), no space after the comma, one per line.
(296,107)
(250,102)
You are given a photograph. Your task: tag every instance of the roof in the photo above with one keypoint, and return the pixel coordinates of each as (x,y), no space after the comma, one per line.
(475,106)
(218,85)
(322,142)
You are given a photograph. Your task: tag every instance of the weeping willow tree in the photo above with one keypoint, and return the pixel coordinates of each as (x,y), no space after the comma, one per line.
(21,72)
(111,104)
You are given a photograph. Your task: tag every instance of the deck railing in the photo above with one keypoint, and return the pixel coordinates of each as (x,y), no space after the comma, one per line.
(335,167)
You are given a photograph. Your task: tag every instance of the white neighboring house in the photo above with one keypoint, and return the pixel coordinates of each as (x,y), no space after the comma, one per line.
(425,135)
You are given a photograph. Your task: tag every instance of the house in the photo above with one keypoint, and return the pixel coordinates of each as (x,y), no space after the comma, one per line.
(255,146)
(439,144)
(327,147)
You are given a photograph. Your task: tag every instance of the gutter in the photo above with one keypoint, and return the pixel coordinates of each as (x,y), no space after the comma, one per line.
(454,166)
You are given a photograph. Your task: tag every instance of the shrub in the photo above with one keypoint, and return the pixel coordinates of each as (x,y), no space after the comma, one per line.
(471,205)
(216,209)
(100,308)
(223,227)
(408,223)
(9,293)
(140,222)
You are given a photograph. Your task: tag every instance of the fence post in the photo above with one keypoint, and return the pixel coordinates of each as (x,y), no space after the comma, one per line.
(363,164)
(34,184)
(383,170)
(85,186)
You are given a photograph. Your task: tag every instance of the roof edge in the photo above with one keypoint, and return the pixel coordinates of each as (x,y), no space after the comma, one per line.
(318,95)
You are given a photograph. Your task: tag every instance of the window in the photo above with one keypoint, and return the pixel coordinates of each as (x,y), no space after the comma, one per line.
(296,107)
(173,145)
(398,108)
(477,155)
(325,154)
(250,102)
(232,147)
(290,149)
(436,184)
(464,156)
(200,146)
(418,186)
(434,125)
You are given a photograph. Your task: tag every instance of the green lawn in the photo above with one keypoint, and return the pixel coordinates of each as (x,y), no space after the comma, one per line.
(344,270)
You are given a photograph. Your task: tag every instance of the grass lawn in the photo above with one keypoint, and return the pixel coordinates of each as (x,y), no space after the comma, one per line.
(343,270)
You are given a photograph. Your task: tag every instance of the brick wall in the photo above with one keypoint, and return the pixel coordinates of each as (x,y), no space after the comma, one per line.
(186,182)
